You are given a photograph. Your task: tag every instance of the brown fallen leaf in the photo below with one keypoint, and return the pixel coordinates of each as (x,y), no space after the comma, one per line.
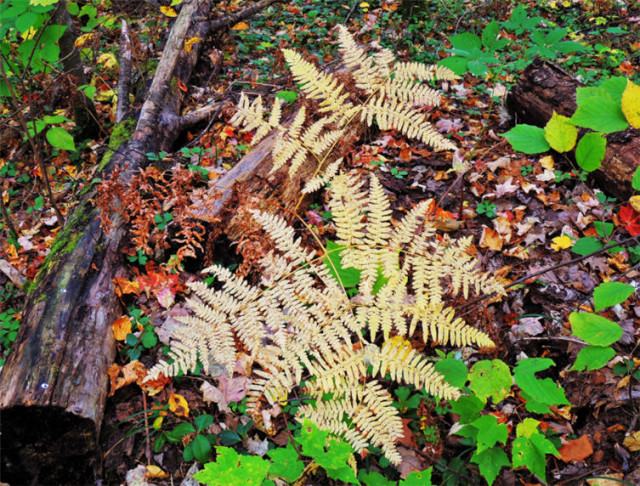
(490,239)
(178,405)
(121,327)
(611,479)
(632,441)
(124,375)
(576,449)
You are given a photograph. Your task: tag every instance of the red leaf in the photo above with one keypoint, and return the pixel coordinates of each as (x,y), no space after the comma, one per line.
(576,450)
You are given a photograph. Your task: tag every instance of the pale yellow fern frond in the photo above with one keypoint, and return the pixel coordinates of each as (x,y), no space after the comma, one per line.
(422,72)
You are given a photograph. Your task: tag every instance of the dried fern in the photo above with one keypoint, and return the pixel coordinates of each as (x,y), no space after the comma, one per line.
(390,92)
(298,323)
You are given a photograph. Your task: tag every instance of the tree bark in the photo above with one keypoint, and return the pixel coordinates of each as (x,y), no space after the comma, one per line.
(54,383)
(545,87)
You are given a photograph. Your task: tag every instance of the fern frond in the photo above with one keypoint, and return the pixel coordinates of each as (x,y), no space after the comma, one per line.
(249,114)
(318,181)
(389,114)
(421,72)
(408,91)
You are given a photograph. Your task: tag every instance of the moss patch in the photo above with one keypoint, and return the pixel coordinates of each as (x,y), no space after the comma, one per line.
(121,133)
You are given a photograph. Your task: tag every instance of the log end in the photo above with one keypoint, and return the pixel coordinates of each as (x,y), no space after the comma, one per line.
(47,445)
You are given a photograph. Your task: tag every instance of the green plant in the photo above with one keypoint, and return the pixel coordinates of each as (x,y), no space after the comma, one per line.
(487,208)
(397,173)
(146,339)
(598,332)
(199,447)
(607,108)
(287,463)
(9,324)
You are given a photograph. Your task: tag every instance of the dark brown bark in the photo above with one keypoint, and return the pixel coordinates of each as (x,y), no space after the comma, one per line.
(544,87)
(54,383)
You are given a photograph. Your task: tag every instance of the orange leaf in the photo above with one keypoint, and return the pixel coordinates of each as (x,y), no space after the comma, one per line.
(121,328)
(153,387)
(188,45)
(124,375)
(182,86)
(168,11)
(576,450)
(490,239)
(124,286)
(240,26)
(155,472)
(178,405)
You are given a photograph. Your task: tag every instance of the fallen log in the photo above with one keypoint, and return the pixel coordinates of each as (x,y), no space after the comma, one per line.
(54,383)
(544,87)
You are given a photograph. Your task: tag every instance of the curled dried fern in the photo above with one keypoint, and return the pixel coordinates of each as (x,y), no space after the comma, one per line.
(392,91)
(298,323)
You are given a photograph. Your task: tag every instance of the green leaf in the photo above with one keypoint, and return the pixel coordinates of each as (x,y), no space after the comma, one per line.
(457,64)
(490,34)
(418,478)
(148,339)
(374,479)
(611,293)
(465,42)
(490,432)
(600,113)
(73,8)
(348,277)
(60,138)
(180,431)
(467,407)
(490,462)
(477,68)
(593,358)
(453,370)
(336,455)
(286,463)
(288,96)
(594,329)
(201,448)
(527,138)
(233,469)
(538,393)
(604,230)
(229,437)
(635,183)
(203,421)
(586,245)
(560,134)
(26,21)
(615,87)
(530,452)
(490,379)
(312,439)
(590,151)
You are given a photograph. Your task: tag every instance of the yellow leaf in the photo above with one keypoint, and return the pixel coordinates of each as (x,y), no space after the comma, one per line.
(175,2)
(240,26)
(547,162)
(168,11)
(631,104)
(83,39)
(108,60)
(635,203)
(155,472)
(178,405)
(561,243)
(121,328)
(632,442)
(190,42)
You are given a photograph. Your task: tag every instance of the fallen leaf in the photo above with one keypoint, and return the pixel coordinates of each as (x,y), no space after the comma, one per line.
(124,286)
(188,45)
(410,462)
(108,60)
(611,479)
(133,372)
(178,405)
(166,297)
(491,239)
(121,328)
(240,26)
(211,394)
(631,104)
(256,446)
(561,243)
(155,472)
(547,162)
(136,477)
(632,441)
(507,187)
(168,11)
(155,386)
(576,449)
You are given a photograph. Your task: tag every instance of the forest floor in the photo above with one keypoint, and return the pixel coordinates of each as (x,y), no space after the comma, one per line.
(523,212)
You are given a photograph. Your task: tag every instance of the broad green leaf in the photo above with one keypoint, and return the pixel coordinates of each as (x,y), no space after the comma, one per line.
(233,469)
(465,42)
(201,448)
(348,277)
(604,230)
(490,432)
(630,104)
(467,407)
(538,393)
(374,479)
(490,462)
(27,21)
(560,134)
(457,64)
(418,478)
(60,138)
(586,245)
(590,151)
(288,96)
(453,370)
(180,431)
(229,437)
(530,452)
(203,421)
(594,329)
(635,183)
(312,439)
(527,427)
(593,358)
(615,87)
(53,119)
(611,293)
(490,379)
(490,34)
(601,114)
(336,455)
(527,138)
(477,68)
(286,463)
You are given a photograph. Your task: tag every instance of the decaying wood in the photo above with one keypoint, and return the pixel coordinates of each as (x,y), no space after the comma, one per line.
(54,383)
(124,75)
(544,87)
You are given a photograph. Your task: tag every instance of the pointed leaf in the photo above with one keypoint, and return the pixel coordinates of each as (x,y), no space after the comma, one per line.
(490,462)
(538,393)
(60,138)
(590,151)
(560,134)
(593,358)
(527,138)
(611,293)
(600,113)
(490,379)
(594,329)
(631,104)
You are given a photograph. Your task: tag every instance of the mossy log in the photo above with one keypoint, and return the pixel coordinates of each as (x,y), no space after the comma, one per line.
(544,87)
(54,383)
